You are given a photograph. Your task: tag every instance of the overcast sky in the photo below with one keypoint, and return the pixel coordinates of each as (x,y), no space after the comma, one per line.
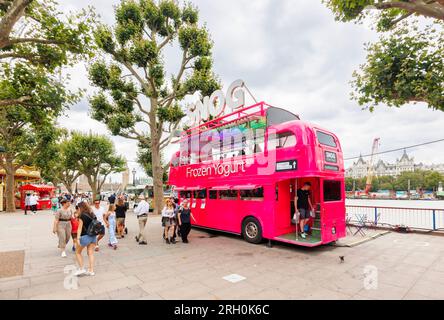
(291,54)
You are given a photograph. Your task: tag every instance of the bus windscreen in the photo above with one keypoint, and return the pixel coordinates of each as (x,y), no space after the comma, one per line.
(326,139)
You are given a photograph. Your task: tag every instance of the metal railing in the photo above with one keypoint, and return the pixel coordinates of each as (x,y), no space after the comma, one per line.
(413,218)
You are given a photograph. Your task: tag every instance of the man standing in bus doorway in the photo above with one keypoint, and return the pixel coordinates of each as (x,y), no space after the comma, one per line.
(303,206)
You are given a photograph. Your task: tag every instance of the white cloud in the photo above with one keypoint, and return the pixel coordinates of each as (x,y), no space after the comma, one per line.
(292,54)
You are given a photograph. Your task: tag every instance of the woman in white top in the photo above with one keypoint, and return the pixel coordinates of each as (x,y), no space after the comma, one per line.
(168,220)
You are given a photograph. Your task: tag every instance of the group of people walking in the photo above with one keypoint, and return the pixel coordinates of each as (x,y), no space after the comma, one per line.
(31,201)
(177,219)
(86,226)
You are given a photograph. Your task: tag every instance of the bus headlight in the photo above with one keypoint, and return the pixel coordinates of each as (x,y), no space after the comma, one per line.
(333,230)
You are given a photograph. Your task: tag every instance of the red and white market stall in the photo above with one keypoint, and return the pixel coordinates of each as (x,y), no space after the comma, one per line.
(44,192)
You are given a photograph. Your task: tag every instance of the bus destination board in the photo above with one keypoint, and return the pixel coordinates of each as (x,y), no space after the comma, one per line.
(290,165)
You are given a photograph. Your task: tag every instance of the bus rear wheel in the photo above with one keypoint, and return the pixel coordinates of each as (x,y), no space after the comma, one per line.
(252,230)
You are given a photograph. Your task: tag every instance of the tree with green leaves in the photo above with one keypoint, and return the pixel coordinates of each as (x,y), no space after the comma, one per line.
(407,64)
(137,100)
(414,180)
(432,180)
(94,156)
(36,40)
(53,163)
(24,133)
(387,183)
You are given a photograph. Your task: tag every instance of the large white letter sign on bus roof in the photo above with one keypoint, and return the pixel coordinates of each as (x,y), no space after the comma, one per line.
(235,97)
(216,104)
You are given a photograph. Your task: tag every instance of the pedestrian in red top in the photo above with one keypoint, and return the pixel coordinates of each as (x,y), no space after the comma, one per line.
(74,227)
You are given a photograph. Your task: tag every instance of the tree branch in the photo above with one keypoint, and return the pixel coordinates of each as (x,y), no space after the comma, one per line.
(12,15)
(165,142)
(185,60)
(165,42)
(32,40)
(136,75)
(11,102)
(139,104)
(426,9)
(28,57)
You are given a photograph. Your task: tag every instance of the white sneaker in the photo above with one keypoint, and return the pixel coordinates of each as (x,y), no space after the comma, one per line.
(63,254)
(80,272)
(303,235)
(89,273)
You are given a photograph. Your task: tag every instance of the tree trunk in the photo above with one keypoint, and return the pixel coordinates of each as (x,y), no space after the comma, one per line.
(156,159)
(68,186)
(93,185)
(10,185)
(157,179)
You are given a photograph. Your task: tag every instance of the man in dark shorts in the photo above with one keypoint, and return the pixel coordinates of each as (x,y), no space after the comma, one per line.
(303,206)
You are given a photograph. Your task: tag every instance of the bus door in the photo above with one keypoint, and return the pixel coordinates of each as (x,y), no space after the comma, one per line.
(332,210)
(198,206)
(315,198)
(284,206)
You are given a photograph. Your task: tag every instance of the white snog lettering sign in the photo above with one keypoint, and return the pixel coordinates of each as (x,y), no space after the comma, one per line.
(216,104)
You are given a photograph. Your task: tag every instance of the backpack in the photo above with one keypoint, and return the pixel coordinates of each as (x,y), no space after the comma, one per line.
(95,227)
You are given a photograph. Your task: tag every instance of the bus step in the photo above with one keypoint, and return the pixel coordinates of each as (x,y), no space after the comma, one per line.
(316,224)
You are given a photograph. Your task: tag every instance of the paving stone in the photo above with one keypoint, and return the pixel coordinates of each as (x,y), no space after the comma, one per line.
(41,289)
(325,294)
(385,292)
(103,296)
(12,294)
(155,286)
(429,289)
(398,279)
(80,293)
(409,266)
(186,292)
(14,284)
(241,290)
(129,293)
(114,284)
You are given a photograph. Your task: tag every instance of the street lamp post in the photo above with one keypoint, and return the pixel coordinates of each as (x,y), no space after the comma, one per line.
(134,177)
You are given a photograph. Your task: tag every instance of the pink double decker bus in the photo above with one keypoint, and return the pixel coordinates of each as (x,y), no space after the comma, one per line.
(241,171)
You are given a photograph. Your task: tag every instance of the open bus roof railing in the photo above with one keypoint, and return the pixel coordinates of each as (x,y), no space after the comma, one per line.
(229,118)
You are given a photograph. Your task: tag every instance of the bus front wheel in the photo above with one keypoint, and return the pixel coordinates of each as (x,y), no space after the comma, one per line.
(252,230)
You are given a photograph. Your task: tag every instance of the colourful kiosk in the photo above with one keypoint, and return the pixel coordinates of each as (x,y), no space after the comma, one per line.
(44,192)
(23,175)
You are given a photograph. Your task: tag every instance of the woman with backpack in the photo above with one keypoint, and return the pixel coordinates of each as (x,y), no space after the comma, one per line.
(86,238)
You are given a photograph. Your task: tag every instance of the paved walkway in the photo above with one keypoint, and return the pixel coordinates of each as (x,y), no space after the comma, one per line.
(393,266)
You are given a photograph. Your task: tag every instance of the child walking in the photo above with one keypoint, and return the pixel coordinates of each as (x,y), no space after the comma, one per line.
(110,221)
(74,228)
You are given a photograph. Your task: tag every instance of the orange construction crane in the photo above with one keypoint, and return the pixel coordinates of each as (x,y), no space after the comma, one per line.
(371,166)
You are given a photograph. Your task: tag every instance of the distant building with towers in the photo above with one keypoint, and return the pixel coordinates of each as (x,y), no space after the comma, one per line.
(359,168)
